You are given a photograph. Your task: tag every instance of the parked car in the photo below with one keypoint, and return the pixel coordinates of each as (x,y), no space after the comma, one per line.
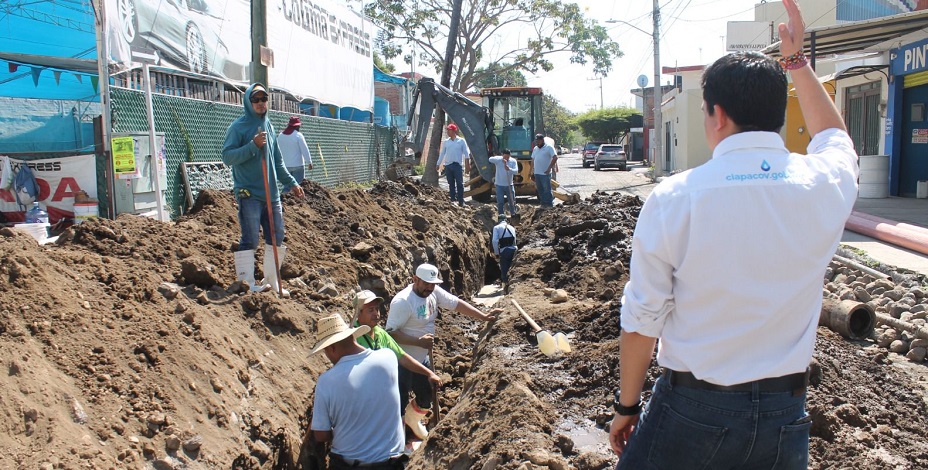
(610,155)
(589,152)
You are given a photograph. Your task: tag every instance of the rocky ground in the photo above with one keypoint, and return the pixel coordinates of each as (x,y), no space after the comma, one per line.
(128,345)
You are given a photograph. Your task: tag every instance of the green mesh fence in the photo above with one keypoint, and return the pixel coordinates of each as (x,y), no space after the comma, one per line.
(343,152)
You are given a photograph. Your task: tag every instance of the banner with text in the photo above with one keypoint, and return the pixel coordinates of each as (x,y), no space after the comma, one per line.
(59,180)
(322,51)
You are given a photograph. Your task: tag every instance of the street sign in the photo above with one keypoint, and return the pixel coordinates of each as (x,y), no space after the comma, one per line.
(642,81)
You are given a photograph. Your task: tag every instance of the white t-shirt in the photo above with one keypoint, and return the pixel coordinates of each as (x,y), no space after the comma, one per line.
(415,316)
(542,156)
(502,230)
(728,258)
(358,399)
(504,171)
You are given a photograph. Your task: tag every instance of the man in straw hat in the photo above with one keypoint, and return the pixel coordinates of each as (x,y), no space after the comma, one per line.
(357,402)
(367,313)
(411,322)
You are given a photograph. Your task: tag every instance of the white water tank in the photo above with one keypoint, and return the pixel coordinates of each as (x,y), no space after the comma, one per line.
(874,176)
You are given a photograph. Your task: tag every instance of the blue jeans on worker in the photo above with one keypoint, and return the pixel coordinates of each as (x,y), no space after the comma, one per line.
(687,428)
(416,383)
(252,216)
(505,194)
(298,173)
(543,187)
(455,174)
(506,256)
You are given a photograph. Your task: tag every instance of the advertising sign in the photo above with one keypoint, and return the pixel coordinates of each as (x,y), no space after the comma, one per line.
(59,180)
(209,37)
(322,51)
(910,58)
(744,36)
(124,158)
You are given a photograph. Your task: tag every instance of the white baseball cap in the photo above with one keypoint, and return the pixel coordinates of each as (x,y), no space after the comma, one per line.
(428,273)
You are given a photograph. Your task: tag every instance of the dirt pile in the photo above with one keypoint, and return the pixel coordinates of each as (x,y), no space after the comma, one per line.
(124,346)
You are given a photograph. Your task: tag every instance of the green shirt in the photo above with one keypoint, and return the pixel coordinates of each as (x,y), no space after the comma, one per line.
(378,338)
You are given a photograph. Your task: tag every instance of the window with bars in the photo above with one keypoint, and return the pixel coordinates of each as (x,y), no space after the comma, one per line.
(862,116)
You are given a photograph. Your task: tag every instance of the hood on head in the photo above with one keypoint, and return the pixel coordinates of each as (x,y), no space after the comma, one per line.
(246,100)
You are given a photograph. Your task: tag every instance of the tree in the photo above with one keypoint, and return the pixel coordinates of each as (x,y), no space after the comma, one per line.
(545,26)
(383,66)
(496,75)
(608,124)
(558,121)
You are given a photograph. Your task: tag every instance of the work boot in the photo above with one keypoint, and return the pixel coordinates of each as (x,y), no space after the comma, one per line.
(245,270)
(270,274)
(413,419)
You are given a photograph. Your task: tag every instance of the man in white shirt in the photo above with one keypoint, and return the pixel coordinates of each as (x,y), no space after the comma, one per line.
(411,322)
(726,270)
(357,402)
(544,159)
(506,168)
(294,150)
(455,155)
(504,246)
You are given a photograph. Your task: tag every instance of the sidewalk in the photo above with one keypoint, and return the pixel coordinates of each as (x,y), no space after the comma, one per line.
(907,210)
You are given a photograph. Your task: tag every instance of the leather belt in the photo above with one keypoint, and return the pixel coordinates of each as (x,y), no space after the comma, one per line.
(795,383)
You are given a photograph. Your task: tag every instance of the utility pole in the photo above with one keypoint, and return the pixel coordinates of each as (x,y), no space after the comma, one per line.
(258,41)
(658,94)
(600,91)
(431,173)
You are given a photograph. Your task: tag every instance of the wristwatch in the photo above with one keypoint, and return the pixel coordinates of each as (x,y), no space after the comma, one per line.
(622,410)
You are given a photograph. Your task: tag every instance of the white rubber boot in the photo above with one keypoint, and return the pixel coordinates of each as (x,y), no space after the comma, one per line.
(413,419)
(245,270)
(270,274)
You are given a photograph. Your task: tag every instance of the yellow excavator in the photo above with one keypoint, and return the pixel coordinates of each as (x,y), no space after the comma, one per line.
(509,118)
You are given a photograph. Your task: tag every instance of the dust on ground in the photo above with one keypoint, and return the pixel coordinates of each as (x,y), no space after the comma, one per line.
(127,345)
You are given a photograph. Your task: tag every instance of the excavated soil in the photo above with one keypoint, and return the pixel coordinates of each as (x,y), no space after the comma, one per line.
(126,344)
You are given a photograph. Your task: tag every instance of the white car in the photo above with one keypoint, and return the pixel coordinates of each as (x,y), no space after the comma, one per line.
(610,155)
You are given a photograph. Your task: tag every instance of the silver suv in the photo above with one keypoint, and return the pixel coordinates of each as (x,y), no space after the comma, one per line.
(610,155)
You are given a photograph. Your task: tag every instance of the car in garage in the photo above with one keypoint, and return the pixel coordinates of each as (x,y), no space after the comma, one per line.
(589,152)
(610,155)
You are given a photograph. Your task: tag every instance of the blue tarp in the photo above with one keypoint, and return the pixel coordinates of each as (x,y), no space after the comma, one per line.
(47,31)
(380,76)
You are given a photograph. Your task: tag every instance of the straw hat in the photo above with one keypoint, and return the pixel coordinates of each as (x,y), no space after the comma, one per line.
(332,329)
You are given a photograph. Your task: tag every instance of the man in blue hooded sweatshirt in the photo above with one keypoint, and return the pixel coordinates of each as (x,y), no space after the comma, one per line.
(249,139)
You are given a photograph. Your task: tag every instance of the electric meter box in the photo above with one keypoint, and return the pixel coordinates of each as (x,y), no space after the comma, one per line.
(137,195)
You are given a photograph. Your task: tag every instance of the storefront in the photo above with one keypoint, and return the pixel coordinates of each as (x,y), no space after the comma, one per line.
(906,126)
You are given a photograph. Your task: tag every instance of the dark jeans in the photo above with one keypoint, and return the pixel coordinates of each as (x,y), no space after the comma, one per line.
(418,384)
(502,194)
(336,462)
(455,174)
(687,428)
(543,188)
(505,262)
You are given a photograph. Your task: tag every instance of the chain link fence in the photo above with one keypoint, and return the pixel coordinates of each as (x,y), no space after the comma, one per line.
(343,152)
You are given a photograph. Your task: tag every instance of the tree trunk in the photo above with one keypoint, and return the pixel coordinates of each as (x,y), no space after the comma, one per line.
(430,177)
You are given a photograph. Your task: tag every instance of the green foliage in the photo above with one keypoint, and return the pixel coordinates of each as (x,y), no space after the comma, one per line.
(419,169)
(545,27)
(558,122)
(608,124)
(383,66)
(356,185)
(497,75)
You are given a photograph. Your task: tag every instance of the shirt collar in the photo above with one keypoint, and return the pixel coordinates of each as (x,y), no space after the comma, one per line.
(749,140)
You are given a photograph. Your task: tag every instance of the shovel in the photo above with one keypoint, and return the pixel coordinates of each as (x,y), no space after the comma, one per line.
(548,344)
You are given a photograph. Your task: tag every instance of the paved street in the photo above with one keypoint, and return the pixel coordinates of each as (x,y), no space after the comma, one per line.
(573,177)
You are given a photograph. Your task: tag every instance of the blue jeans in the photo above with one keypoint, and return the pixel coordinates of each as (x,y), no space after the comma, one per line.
(687,428)
(543,187)
(504,194)
(455,174)
(418,384)
(505,262)
(252,215)
(298,173)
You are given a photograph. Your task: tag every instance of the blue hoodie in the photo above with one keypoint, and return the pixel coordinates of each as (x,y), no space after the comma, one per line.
(246,159)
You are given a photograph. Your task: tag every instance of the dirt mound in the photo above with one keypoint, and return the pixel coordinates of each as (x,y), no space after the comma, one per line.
(127,345)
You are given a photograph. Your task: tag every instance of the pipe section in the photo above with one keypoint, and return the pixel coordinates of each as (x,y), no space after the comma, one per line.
(849,318)
(904,235)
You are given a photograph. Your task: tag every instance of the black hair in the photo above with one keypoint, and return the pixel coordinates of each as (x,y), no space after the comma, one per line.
(750,87)
(507,152)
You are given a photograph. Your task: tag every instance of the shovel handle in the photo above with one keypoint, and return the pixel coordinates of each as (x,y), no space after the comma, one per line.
(525,316)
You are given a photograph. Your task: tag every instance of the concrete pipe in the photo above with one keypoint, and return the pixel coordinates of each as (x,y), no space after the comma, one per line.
(887,231)
(849,318)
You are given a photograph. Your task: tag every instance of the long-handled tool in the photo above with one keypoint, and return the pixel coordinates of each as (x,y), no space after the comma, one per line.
(270,213)
(546,342)
(436,406)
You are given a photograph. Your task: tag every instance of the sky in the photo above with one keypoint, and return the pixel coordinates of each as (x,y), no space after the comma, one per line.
(692,33)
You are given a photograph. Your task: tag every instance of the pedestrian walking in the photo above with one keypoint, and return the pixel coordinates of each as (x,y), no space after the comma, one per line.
(544,160)
(455,156)
(294,150)
(735,309)
(257,165)
(506,168)
(504,247)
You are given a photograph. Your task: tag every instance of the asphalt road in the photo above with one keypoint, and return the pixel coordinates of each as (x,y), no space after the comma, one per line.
(585,181)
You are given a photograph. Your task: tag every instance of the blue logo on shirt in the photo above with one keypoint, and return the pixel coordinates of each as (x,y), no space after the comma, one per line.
(765,166)
(764,175)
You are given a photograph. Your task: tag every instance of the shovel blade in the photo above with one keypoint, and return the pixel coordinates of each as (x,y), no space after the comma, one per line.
(563,344)
(546,343)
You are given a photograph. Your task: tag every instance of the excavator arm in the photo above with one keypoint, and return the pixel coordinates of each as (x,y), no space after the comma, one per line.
(473,120)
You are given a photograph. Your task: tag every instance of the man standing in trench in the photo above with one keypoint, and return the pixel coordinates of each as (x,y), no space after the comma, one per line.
(726,269)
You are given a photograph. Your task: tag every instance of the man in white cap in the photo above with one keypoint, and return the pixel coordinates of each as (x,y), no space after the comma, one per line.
(367,313)
(357,402)
(411,322)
